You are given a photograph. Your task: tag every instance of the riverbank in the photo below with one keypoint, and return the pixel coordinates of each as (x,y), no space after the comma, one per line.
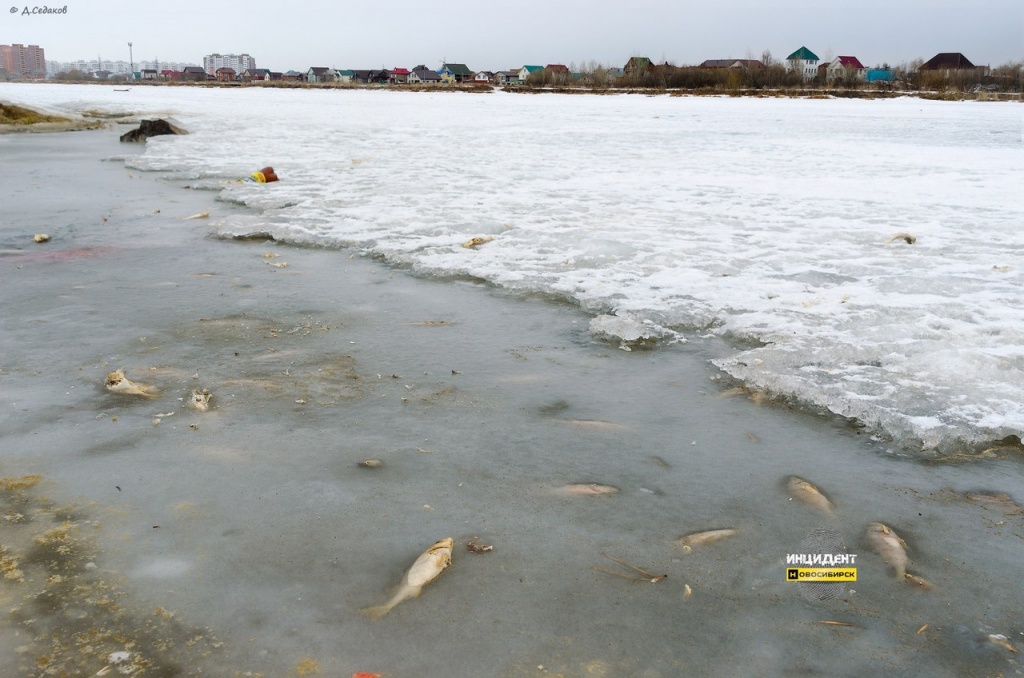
(247,538)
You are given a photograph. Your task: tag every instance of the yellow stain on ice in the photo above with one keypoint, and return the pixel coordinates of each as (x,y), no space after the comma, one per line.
(187,509)
(307,667)
(22,483)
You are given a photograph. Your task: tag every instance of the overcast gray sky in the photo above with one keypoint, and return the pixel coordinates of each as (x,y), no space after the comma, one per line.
(484,36)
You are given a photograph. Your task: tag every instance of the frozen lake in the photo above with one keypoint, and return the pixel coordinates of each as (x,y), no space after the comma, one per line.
(485,384)
(769,223)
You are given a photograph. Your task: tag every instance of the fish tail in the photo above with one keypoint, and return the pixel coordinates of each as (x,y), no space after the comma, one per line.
(377,611)
(920,581)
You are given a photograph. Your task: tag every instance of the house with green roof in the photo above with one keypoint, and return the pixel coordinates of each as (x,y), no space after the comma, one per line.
(455,73)
(638,64)
(525,72)
(804,62)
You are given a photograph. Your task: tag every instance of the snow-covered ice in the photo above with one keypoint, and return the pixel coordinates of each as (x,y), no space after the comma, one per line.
(767,222)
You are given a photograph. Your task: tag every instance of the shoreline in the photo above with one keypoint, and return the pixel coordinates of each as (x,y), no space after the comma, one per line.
(255,522)
(793,93)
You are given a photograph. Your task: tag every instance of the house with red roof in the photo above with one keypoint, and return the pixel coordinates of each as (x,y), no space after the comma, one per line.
(398,76)
(843,69)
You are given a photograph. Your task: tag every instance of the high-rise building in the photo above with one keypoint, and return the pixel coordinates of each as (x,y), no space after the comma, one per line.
(239,62)
(22,61)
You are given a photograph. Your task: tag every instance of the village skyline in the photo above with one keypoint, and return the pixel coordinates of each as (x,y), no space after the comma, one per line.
(246,61)
(565,31)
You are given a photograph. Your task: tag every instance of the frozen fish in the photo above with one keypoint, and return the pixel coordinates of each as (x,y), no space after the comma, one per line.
(118,383)
(806,492)
(426,569)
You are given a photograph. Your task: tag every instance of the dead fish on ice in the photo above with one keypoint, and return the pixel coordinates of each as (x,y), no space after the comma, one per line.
(905,237)
(118,383)
(426,569)
(706,537)
(893,550)
(1002,641)
(889,546)
(198,215)
(588,490)
(200,400)
(476,242)
(806,492)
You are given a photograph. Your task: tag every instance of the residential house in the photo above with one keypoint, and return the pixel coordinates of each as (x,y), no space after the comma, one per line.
(344,75)
(255,74)
(193,74)
(225,74)
(952,61)
(455,73)
(276,75)
(844,69)
(293,76)
(375,77)
(637,65)
(614,73)
(483,77)
(746,64)
(947,61)
(425,76)
(148,73)
(398,76)
(525,72)
(320,74)
(169,74)
(804,62)
(558,69)
(507,78)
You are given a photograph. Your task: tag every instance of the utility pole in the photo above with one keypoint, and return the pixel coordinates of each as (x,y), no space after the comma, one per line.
(131,62)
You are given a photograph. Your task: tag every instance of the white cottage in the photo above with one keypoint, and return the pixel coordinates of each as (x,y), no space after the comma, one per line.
(804,62)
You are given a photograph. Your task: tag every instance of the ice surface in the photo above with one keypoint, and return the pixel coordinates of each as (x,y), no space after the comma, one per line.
(767,222)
